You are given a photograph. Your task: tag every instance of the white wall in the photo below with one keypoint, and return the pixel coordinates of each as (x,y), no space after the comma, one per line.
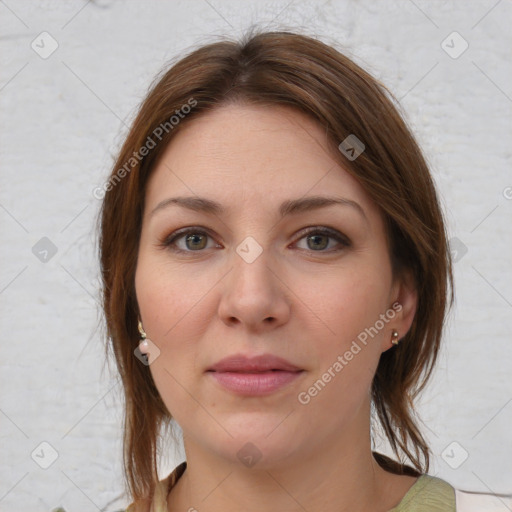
(63,118)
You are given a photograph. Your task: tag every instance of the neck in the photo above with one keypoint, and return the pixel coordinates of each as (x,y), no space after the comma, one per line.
(338,475)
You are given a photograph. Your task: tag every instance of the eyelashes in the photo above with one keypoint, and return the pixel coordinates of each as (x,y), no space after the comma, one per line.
(199,236)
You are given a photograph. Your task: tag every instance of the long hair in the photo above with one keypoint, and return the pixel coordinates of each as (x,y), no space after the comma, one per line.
(281,68)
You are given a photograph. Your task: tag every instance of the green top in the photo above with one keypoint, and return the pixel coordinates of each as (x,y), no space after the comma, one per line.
(427,494)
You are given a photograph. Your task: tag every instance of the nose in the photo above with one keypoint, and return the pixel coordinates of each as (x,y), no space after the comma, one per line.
(254,295)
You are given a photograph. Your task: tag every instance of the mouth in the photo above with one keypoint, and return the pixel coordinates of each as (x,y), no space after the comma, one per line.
(253,364)
(255,384)
(254,376)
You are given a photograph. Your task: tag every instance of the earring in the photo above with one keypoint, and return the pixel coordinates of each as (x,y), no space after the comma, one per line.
(394,338)
(143,344)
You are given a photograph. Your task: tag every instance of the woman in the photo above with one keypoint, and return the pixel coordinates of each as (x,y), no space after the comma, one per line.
(276,277)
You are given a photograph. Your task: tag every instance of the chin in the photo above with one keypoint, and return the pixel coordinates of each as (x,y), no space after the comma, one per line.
(259,441)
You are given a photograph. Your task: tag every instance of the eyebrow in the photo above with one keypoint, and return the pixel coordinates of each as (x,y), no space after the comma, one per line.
(289,207)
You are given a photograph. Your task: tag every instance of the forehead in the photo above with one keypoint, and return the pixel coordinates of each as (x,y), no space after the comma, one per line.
(251,154)
(233,132)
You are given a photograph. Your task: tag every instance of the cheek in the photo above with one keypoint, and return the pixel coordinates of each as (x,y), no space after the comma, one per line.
(171,373)
(166,295)
(349,302)
(169,301)
(349,307)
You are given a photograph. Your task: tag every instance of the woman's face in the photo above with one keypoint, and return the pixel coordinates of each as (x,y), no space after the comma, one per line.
(269,273)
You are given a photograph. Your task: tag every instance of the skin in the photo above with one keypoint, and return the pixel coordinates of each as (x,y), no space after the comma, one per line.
(299,300)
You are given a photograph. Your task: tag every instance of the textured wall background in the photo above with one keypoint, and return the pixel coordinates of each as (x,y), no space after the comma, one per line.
(63,117)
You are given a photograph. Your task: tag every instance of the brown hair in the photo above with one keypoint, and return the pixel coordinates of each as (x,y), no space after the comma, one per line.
(282,68)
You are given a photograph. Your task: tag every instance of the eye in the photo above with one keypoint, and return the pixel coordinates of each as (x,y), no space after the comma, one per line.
(317,239)
(194,240)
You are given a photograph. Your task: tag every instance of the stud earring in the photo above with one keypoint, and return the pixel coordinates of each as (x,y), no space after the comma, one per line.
(394,338)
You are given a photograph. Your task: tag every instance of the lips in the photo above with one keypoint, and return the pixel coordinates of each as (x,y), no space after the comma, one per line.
(254,376)
(243,364)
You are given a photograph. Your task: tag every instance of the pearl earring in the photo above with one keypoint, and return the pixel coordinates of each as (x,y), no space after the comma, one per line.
(143,344)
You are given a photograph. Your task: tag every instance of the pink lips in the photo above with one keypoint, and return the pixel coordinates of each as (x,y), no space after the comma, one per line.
(253,376)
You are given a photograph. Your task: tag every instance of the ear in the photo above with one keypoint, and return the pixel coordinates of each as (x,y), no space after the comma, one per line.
(404,301)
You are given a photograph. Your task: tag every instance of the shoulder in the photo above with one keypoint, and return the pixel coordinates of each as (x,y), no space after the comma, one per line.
(433,494)
(428,494)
